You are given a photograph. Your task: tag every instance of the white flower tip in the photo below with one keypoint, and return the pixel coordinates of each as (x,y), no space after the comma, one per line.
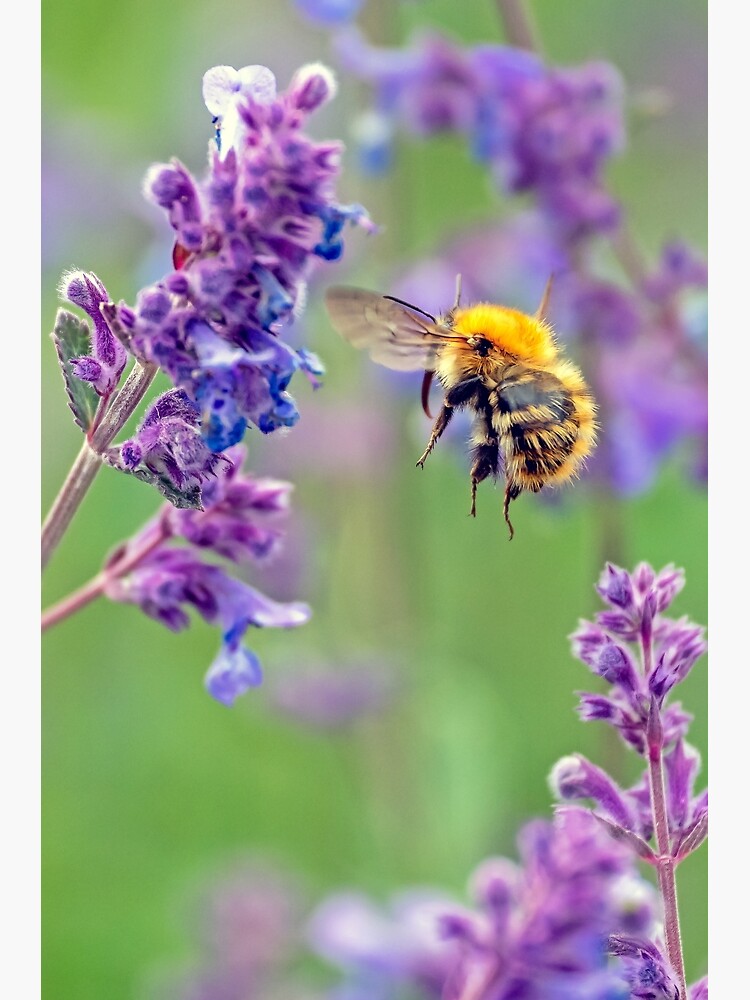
(219,84)
(68,278)
(561,774)
(312,85)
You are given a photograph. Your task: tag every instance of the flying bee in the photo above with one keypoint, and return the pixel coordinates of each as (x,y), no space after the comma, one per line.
(534,416)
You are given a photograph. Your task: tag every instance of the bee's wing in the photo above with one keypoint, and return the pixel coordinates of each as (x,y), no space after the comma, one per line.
(395,335)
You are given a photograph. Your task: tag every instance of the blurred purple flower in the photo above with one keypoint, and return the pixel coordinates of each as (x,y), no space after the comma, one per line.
(329,697)
(680,267)
(547,130)
(655,401)
(541,927)
(509,261)
(247,238)
(382,950)
(328,12)
(246,929)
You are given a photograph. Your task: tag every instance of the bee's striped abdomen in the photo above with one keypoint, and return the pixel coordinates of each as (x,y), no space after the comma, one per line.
(538,426)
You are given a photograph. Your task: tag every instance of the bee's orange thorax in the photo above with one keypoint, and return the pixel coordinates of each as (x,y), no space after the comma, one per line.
(511,331)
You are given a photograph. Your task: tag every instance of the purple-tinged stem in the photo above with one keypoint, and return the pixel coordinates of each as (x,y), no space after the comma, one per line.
(666,863)
(518,26)
(128,560)
(89,459)
(478,987)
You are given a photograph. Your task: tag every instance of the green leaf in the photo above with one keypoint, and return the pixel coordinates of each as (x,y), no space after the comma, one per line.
(72,339)
(183,499)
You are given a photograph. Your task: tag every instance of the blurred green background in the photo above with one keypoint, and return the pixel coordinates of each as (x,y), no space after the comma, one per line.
(147,782)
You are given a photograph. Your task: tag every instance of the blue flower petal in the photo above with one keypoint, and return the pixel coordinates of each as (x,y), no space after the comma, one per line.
(232,673)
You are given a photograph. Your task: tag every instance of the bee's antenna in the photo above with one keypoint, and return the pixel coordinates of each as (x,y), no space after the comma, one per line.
(458,293)
(541,312)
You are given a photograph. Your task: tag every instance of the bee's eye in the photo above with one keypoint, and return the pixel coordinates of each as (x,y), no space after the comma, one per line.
(480,344)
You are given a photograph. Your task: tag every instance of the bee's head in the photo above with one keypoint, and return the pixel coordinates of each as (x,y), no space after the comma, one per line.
(481,345)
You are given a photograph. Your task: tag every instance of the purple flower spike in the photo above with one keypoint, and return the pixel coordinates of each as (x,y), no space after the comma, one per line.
(671,648)
(106,363)
(248,239)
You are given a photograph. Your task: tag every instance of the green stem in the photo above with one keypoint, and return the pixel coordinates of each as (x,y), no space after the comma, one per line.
(89,459)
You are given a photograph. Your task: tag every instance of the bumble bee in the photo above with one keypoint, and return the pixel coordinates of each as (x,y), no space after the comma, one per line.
(534,416)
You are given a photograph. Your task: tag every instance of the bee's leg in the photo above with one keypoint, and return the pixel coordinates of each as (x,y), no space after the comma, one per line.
(511,492)
(486,460)
(443,419)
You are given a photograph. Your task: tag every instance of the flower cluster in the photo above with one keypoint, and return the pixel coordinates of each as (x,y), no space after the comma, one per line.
(247,238)
(540,129)
(239,523)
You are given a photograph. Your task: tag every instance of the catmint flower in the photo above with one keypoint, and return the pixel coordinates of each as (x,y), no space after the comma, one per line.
(106,362)
(637,601)
(245,514)
(168,442)
(247,239)
(239,523)
(680,267)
